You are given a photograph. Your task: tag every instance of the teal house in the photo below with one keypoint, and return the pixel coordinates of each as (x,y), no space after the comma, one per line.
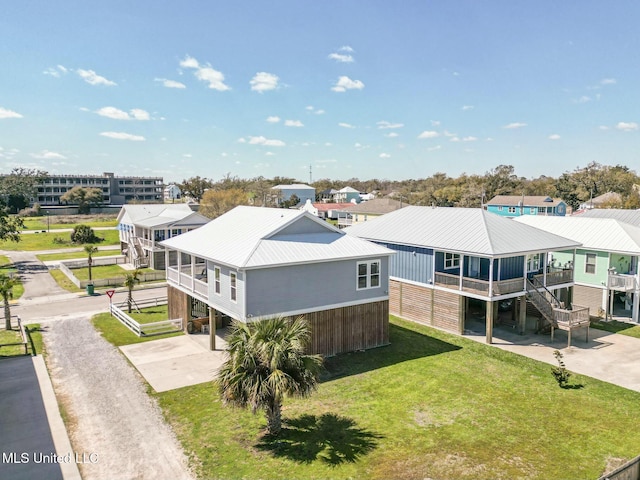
(518,205)
(606,265)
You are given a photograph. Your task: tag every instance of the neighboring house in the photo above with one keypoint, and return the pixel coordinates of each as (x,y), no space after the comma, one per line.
(627,216)
(172,192)
(142,226)
(606,265)
(516,206)
(327,195)
(604,199)
(254,263)
(326,211)
(367,210)
(347,195)
(285,192)
(451,262)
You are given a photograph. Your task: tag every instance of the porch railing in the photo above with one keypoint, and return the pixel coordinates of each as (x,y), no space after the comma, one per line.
(475,285)
(622,282)
(571,318)
(184,279)
(557,276)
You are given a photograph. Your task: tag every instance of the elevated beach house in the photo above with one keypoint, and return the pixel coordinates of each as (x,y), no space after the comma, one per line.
(143,226)
(519,205)
(606,265)
(254,263)
(451,263)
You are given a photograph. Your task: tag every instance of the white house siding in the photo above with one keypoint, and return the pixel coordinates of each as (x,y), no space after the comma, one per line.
(222,301)
(299,288)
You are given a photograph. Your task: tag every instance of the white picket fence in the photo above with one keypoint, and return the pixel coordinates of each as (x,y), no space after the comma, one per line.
(145,329)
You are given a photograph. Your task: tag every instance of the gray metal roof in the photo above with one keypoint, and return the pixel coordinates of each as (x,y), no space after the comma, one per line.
(606,234)
(460,230)
(627,216)
(247,237)
(135,213)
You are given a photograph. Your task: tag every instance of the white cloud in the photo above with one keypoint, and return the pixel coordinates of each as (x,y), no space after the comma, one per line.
(582,99)
(269,154)
(170,83)
(319,112)
(273,119)
(447,133)
(603,127)
(266,141)
(346,48)
(117,114)
(428,134)
(123,136)
(391,134)
(56,71)
(435,123)
(385,155)
(47,155)
(206,74)
(5,113)
(242,140)
(314,110)
(554,136)
(467,107)
(511,126)
(189,62)
(433,149)
(92,78)
(454,139)
(345,125)
(293,123)
(344,83)
(470,139)
(341,58)
(608,81)
(263,81)
(384,124)
(627,126)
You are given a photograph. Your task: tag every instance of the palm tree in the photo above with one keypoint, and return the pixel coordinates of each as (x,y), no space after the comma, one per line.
(266,361)
(90,250)
(6,292)
(130,281)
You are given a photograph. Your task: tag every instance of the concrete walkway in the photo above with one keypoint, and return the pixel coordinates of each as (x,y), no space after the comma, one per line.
(609,357)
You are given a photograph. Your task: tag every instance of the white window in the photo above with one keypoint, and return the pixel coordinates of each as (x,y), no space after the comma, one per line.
(234,279)
(512,209)
(216,280)
(368,274)
(451,260)
(590,263)
(500,208)
(533,262)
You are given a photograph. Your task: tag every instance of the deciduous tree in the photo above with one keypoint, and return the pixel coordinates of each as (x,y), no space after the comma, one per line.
(85,198)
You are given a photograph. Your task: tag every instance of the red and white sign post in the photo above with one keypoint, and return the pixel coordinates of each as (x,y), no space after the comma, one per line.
(110,294)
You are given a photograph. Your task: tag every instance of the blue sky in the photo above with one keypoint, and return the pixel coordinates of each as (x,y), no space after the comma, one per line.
(367,89)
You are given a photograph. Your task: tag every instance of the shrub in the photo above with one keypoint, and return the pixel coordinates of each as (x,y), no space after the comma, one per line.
(84,234)
(560,372)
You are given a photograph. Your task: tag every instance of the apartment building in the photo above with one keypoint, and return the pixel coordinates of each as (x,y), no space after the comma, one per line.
(115,190)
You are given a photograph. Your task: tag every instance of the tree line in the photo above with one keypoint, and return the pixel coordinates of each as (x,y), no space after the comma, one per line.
(467,190)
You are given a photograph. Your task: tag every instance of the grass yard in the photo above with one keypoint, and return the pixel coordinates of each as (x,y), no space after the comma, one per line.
(69,221)
(47,241)
(116,333)
(104,271)
(150,314)
(44,257)
(615,326)
(430,405)
(7,268)
(13,336)
(64,282)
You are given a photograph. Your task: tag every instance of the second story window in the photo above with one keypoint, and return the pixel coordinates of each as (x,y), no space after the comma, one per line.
(216,280)
(368,274)
(451,260)
(234,287)
(590,263)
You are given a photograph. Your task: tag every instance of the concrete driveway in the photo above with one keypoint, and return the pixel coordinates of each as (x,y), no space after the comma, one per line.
(610,357)
(176,362)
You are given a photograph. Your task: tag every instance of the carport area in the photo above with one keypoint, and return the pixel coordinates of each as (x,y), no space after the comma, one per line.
(176,362)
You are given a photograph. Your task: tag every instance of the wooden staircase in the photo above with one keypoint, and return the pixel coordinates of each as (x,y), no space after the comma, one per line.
(545,302)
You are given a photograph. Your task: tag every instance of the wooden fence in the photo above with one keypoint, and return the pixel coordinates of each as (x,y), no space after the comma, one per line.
(628,471)
(108,282)
(146,329)
(23,334)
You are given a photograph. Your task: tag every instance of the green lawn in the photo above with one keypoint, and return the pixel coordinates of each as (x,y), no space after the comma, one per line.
(117,334)
(104,271)
(430,405)
(614,326)
(13,336)
(68,221)
(7,268)
(44,257)
(53,241)
(64,282)
(150,314)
